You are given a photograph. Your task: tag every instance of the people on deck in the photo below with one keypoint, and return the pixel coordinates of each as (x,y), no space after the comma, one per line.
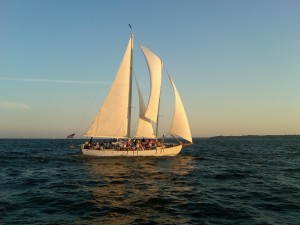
(129,144)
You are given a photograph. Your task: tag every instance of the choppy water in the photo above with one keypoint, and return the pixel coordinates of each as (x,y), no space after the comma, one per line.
(249,180)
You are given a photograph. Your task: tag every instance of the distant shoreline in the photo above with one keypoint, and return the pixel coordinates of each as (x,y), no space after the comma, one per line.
(258,136)
(213,137)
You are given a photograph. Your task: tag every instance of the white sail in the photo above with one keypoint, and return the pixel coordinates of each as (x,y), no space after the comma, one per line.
(180,125)
(112,118)
(155,67)
(144,128)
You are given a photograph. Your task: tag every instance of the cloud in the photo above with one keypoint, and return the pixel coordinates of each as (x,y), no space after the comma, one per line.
(13,105)
(53,81)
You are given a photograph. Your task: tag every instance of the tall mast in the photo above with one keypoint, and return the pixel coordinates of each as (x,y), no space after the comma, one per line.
(130,89)
(157,118)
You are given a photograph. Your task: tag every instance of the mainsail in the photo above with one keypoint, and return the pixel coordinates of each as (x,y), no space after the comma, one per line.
(155,67)
(180,125)
(144,128)
(112,118)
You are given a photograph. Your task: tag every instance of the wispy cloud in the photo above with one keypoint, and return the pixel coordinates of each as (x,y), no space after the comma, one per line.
(13,105)
(53,81)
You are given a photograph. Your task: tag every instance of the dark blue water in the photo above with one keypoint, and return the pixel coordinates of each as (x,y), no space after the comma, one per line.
(249,180)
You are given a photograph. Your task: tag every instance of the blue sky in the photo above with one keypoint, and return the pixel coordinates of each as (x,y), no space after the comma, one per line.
(235,63)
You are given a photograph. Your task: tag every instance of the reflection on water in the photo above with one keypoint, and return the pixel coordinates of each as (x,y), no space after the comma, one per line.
(139,190)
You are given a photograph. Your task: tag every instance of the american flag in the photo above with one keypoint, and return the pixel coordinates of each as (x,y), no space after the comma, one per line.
(70,136)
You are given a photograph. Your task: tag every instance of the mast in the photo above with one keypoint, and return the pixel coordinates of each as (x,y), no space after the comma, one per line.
(130,89)
(157,119)
(156,132)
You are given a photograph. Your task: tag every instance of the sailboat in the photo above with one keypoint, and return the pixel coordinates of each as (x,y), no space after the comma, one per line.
(113,120)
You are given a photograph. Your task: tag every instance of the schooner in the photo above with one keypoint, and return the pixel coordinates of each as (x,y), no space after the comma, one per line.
(113,120)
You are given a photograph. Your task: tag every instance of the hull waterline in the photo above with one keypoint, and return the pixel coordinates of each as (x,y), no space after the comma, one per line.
(168,151)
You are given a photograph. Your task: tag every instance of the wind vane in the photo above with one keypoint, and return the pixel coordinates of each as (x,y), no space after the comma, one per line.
(130,26)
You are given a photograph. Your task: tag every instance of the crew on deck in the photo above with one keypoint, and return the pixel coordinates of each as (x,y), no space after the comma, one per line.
(128,144)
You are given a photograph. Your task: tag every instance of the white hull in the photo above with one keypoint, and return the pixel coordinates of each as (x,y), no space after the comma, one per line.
(168,151)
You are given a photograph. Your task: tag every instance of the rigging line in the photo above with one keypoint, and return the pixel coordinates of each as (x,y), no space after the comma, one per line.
(176,138)
(87,111)
(134,75)
(134,89)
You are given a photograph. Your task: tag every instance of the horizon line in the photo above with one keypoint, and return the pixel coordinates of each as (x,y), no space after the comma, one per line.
(64,138)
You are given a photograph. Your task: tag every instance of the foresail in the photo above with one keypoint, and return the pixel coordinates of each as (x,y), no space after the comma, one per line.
(112,118)
(155,67)
(144,128)
(180,125)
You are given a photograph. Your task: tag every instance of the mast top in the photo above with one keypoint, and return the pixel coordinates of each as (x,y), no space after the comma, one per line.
(131,34)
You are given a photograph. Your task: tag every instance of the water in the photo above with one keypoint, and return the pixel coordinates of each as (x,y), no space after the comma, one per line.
(248,180)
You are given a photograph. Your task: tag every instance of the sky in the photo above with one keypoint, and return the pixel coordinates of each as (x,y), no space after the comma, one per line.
(236,64)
